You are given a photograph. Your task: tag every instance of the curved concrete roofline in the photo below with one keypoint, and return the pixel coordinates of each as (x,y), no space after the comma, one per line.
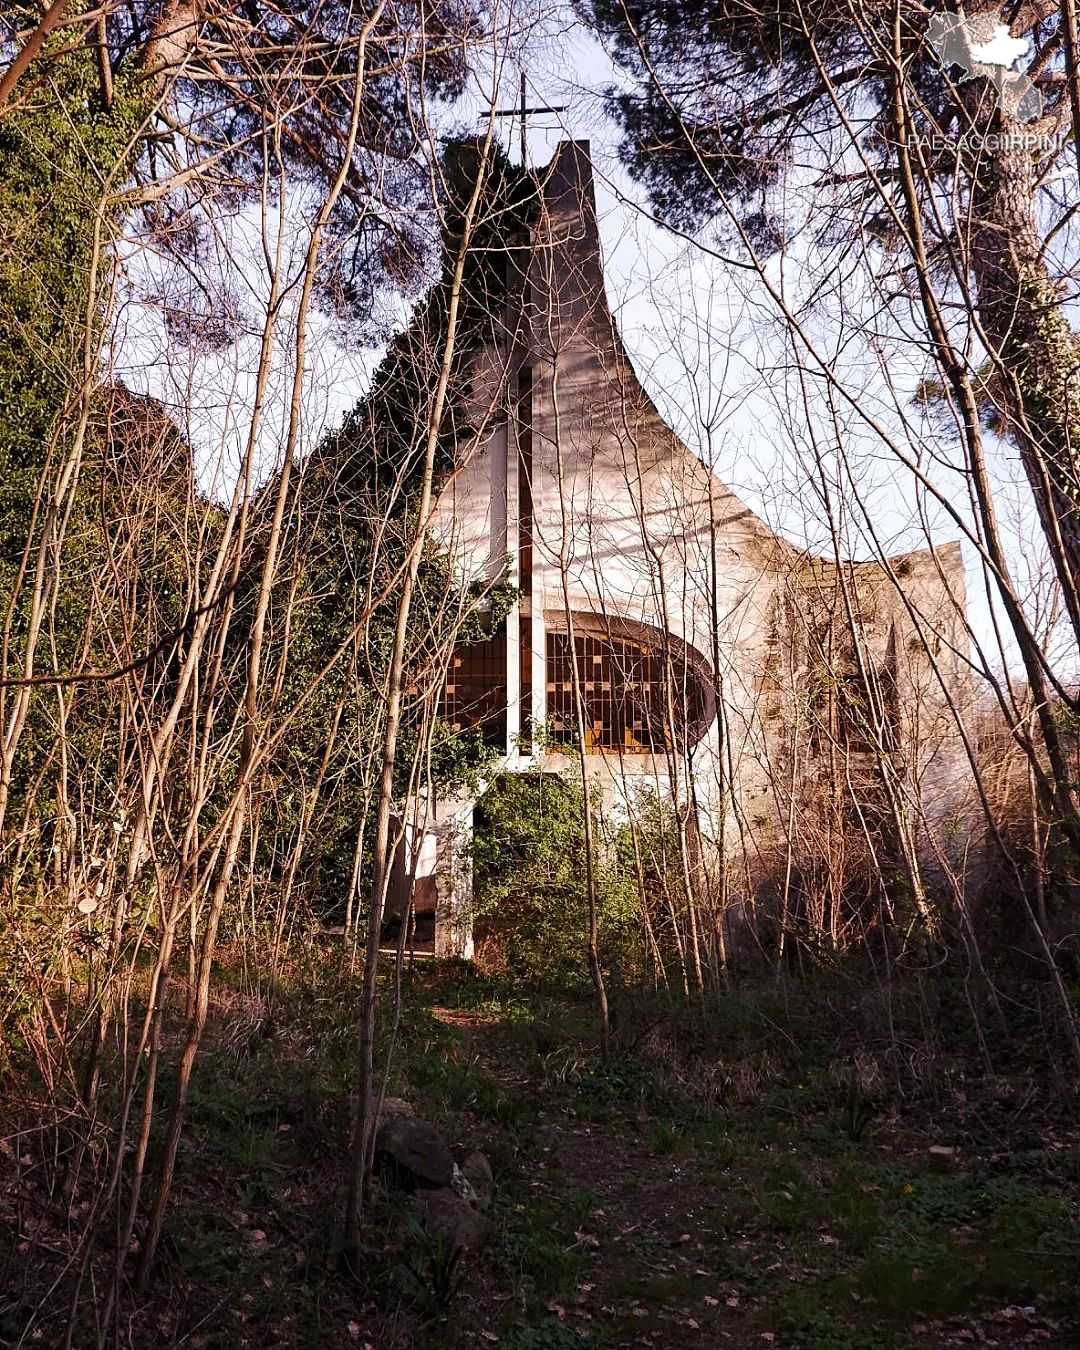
(569,174)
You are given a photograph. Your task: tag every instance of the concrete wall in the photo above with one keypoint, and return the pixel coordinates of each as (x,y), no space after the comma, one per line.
(631,528)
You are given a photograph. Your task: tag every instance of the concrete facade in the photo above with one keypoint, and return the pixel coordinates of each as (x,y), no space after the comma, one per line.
(585,500)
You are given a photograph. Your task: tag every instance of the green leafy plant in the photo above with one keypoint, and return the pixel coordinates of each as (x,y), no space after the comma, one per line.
(528,855)
(549,1335)
(431,1269)
(857,1109)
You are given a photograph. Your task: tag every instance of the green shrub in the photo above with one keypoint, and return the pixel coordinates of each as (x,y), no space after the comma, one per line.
(529,867)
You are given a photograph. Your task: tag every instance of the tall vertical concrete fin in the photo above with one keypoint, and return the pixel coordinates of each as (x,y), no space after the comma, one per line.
(568,296)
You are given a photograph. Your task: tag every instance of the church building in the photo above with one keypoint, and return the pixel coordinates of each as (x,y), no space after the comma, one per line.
(668,631)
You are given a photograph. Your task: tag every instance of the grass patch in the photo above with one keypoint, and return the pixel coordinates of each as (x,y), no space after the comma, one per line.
(537,1252)
(550,1334)
(732,1173)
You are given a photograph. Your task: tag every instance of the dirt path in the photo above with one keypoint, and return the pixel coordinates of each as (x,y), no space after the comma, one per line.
(641,1224)
(653,1281)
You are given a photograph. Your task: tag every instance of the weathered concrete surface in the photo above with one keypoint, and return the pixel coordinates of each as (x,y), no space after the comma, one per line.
(633,534)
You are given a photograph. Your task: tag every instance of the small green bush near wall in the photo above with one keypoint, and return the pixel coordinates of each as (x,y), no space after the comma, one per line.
(529,869)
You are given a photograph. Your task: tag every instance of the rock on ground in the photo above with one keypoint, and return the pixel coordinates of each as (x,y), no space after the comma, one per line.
(476,1170)
(446,1214)
(414,1150)
(394,1106)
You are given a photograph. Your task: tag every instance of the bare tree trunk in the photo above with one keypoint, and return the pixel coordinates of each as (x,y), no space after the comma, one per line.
(577,693)
(1059,786)
(364,1120)
(253,744)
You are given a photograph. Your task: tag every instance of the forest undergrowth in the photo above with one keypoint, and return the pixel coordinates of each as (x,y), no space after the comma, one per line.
(802,1162)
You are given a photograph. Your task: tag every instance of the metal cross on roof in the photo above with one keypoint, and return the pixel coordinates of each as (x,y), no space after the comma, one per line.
(523,111)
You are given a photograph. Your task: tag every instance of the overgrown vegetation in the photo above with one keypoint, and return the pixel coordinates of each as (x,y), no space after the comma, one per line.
(531,906)
(703,1178)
